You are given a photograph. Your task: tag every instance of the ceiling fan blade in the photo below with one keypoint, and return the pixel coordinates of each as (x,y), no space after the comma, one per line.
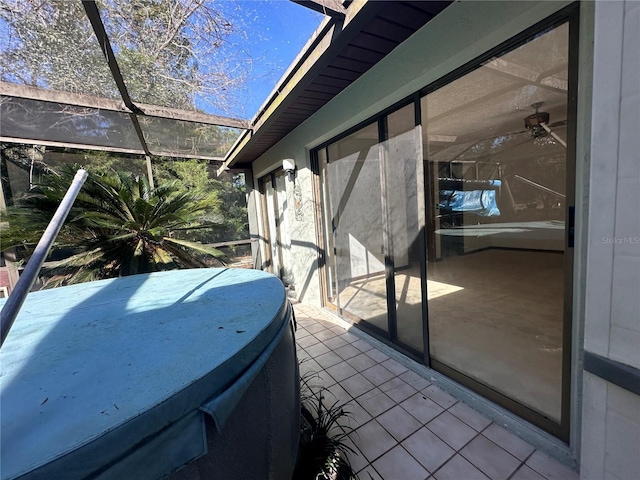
(559,123)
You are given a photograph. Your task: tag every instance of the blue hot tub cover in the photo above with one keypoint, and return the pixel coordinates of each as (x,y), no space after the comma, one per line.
(113,376)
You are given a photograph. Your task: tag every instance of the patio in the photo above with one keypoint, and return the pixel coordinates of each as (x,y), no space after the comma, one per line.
(407,428)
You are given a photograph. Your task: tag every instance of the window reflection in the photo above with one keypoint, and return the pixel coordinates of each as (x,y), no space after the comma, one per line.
(495,153)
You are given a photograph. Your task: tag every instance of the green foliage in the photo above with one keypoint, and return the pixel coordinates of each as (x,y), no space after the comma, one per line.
(323,452)
(169,51)
(118,226)
(225,199)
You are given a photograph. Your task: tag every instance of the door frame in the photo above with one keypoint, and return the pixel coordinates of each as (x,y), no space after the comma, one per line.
(570,15)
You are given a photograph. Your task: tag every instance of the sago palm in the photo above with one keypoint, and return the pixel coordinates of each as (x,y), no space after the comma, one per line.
(118,226)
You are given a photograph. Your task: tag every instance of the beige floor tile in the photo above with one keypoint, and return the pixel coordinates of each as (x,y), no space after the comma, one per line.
(328,359)
(361,362)
(362,345)
(317,349)
(347,351)
(428,449)
(357,460)
(398,389)
(373,440)
(425,449)
(525,473)
(394,367)
(439,396)
(459,469)
(324,335)
(335,342)
(335,393)
(307,341)
(376,402)
(399,423)
(472,418)
(377,355)
(357,385)
(550,468)
(399,464)
(314,327)
(452,430)
(377,375)
(422,408)
(341,371)
(488,457)
(301,333)
(369,473)
(415,380)
(512,444)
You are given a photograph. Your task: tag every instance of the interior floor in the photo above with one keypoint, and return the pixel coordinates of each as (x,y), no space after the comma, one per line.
(494,315)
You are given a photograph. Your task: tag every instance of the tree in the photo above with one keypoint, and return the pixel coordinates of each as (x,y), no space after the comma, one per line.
(118,226)
(169,51)
(225,198)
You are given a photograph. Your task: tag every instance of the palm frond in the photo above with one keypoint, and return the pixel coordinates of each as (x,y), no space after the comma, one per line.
(198,247)
(118,225)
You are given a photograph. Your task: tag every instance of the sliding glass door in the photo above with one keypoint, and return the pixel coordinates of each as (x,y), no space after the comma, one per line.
(497,159)
(371,193)
(352,195)
(447,227)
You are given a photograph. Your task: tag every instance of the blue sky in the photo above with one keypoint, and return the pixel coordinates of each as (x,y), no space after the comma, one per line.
(275,32)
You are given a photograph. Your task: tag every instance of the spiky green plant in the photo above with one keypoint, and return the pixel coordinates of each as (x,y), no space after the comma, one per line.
(323,453)
(117,226)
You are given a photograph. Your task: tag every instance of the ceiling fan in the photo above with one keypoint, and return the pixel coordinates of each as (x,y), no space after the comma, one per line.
(538,124)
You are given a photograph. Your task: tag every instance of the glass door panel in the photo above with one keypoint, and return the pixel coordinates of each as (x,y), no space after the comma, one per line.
(331,280)
(283,238)
(272,229)
(403,161)
(352,190)
(495,153)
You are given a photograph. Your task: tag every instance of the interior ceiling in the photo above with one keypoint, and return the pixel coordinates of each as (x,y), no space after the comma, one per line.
(498,96)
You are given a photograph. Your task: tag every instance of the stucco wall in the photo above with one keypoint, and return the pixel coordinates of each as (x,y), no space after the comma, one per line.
(611,415)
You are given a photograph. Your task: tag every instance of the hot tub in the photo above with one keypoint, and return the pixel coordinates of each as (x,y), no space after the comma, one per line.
(187,374)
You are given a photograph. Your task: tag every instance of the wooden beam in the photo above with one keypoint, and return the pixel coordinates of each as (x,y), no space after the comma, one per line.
(54,96)
(65,98)
(332,8)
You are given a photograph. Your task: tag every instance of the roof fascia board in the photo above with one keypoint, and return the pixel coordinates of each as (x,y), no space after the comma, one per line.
(336,35)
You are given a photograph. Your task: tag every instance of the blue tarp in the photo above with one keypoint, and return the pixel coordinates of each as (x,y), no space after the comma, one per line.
(480,202)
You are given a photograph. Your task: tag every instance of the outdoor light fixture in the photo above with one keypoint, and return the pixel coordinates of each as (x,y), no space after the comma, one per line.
(289,166)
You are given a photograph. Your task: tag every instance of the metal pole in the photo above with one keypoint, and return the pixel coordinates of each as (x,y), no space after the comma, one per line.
(28,277)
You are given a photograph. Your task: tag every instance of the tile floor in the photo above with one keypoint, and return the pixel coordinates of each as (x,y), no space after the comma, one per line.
(405,427)
(505,306)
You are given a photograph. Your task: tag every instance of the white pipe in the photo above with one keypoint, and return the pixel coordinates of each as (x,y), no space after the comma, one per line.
(23,286)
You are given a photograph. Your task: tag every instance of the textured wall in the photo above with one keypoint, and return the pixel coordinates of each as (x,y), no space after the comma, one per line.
(611,415)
